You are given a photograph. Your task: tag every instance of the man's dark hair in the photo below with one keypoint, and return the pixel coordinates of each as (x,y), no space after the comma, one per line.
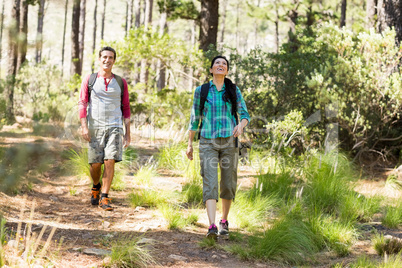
(107,49)
(219,57)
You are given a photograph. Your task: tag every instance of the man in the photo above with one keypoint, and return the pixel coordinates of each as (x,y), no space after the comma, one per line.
(102,127)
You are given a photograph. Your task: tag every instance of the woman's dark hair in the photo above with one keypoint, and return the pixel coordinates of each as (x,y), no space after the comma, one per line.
(230,92)
(107,49)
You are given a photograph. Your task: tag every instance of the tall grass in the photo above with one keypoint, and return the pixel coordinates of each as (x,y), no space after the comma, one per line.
(127,253)
(275,184)
(148,198)
(118,183)
(394,261)
(333,234)
(78,162)
(328,182)
(393,216)
(145,174)
(129,157)
(175,217)
(290,240)
(250,210)
(173,157)
(192,193)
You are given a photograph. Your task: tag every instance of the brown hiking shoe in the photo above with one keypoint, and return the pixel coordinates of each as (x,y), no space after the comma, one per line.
(95,194)
(104,204)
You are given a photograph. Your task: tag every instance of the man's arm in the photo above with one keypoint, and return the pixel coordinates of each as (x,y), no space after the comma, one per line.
(82,107)
(127,136)
(84,129)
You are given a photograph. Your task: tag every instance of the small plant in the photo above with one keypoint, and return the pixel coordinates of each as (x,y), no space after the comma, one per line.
(175,217)
(72,190)
(393,216)
(172,157)
(393,182)
(127,253)
(78,162)
(148,198)
(388,245)
(192,193)
(145,174)
(118,183)
(207,243)
(129,157)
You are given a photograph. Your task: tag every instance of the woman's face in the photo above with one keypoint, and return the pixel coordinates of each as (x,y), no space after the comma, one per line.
(220,67)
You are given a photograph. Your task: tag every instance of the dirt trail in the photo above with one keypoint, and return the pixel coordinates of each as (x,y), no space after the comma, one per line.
(82,226)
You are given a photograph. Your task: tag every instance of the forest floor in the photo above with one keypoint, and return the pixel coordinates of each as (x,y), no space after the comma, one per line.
(63,201)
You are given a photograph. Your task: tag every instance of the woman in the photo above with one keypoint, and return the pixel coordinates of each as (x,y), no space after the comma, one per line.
(218,132)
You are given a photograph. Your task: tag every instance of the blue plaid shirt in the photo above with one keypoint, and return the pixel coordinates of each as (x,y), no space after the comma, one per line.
(218,121)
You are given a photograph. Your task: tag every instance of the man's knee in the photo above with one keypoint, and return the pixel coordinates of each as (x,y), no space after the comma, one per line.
(96,166)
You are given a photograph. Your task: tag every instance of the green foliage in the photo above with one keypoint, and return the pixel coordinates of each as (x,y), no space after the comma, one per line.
(118,183)
(393,216)
(183,9)
(40,91)
(145,174)
(192,193)
(207,243)
(127,253)
(172,157)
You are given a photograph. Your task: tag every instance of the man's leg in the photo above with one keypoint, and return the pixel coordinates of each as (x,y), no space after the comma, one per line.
(95,170)
(108,175)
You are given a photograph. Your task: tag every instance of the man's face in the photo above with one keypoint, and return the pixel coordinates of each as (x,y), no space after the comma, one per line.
(106,60)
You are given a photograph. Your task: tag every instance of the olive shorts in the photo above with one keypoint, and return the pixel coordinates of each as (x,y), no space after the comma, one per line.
(222,152)
(106,143)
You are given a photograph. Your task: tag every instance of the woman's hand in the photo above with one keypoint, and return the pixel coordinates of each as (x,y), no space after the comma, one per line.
(189,152)
(238,130)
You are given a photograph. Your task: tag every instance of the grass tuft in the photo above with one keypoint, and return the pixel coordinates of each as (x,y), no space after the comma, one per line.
(175,217)
(388,245)
(207,243)
(147,198)
(393,216)
(78,162)
(127,253)
(145,174)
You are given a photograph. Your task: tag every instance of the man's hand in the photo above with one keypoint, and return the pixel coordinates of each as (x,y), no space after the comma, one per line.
(189,152)
(127,140)
(85,133)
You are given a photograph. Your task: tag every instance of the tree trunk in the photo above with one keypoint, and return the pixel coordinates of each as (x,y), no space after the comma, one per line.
(137,10)
(39,37)
(209,19)
(64,38)
(12,61)
(160,66)
(223,24)
(371,11)
(23,33)
(130,15)
(390,15)
(94,35)
(343,14)
(144,75)
(82,31)
(1,33)
(237,25)
(292,19)
(103,19)
(75,44)
(276,27)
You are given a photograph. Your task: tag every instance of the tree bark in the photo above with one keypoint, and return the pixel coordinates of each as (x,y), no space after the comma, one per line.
(94,35)
(137,10)
(103,19)
(130,15)
(39,36)
(209,19)
(82,30)
(160,66)
(343,14)
(1,33)
(223,24)
(75,44)
(371,11)
(144,75)
(390,15)
(23,33)
(64,38)
(12,61)
(276,27)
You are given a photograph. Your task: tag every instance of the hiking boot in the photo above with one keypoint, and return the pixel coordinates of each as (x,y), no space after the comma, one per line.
(95,194)
(212,232)
(104,204)
(223,227)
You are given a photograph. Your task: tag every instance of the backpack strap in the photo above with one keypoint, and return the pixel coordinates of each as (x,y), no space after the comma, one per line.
(203,98)
(91,83)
